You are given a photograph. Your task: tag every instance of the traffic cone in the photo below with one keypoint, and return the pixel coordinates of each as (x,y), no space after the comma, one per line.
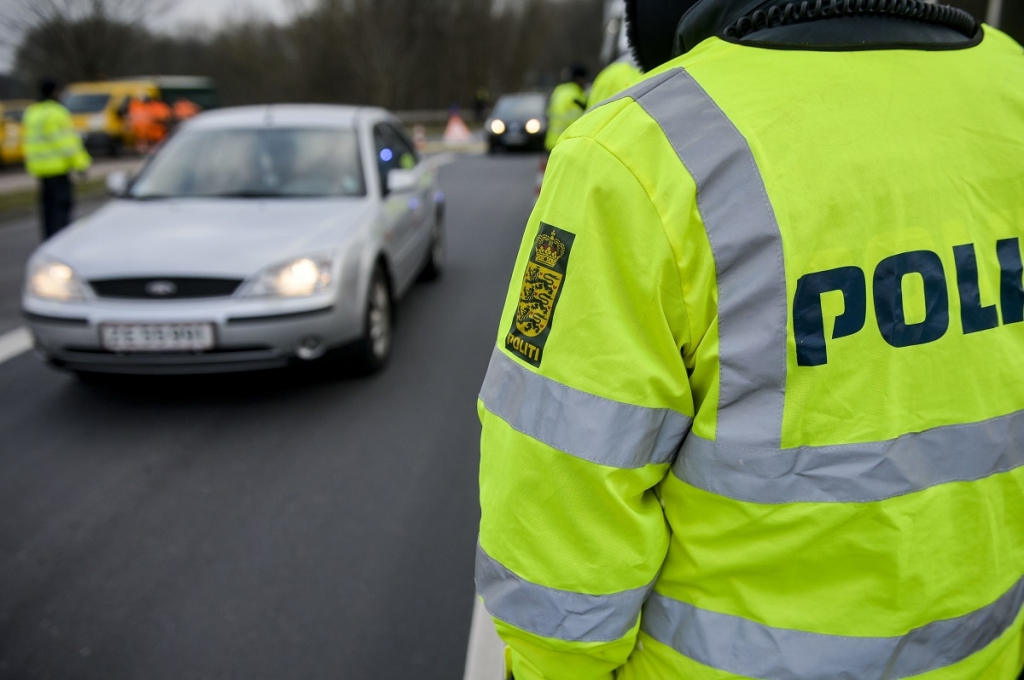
(457,131)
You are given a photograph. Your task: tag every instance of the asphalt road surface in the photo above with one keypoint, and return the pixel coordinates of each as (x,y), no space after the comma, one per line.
(286,525)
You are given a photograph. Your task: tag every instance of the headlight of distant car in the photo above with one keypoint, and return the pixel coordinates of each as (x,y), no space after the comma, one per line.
(299,278)
(498,127)
(97,122)
(50,280)
(533,126)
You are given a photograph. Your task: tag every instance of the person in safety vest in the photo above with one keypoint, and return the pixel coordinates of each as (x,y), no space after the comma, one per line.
(150,120)
(183,110)
(53,150)
(160,113)
(616,77)
(566,106)
(756,408)
(140,119)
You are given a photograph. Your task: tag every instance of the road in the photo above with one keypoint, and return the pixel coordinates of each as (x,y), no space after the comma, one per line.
(282,525)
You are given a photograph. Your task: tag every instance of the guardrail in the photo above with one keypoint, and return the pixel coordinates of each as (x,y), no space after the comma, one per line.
(426,117)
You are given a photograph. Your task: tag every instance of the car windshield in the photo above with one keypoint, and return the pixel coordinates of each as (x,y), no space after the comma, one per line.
(86,103)
(521,106)
(264,163)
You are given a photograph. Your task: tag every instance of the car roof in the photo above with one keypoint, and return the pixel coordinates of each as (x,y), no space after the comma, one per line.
(285,115)
(15,104)
(187,82)
(112,87)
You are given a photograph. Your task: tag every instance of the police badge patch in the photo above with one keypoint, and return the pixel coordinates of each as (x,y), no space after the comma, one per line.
(542,286)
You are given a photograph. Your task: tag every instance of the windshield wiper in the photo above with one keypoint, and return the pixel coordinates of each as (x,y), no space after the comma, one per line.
(151,197)
(254,195)
(244,194)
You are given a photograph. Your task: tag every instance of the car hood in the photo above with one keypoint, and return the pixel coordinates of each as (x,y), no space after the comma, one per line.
(194,237)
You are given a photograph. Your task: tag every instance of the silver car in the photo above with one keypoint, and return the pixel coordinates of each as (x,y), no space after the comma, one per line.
(256,237)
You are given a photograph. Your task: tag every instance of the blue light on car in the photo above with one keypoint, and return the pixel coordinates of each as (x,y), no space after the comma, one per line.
(386,155)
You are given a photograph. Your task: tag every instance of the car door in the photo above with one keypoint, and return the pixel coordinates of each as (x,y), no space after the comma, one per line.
(406,211)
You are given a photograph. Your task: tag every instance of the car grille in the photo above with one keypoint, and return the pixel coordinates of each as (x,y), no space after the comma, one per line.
(165,288)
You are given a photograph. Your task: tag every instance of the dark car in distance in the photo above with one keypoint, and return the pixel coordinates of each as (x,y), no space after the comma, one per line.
(519,121)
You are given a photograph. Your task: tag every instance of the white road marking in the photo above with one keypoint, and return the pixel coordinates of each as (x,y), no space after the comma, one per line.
(15,344)
(485,659)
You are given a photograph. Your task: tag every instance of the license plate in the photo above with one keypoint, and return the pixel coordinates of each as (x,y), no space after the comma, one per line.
(515,138)
(158,337)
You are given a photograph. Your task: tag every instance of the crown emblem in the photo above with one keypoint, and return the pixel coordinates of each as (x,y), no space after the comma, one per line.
(549,249)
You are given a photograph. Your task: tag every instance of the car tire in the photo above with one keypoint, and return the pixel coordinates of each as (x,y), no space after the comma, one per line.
(373,350)
(434,267)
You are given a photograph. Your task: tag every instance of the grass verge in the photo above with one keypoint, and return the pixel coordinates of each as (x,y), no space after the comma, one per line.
(23,201)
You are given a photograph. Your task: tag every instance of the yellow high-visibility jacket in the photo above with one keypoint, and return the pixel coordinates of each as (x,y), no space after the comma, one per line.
(615,78)
(756,408)
(567,104)
(52,146)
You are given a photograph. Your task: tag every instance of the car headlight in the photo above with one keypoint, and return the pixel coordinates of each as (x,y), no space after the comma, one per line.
(299,278)
(51,280)
(97,122)
(498,127)
(533,126)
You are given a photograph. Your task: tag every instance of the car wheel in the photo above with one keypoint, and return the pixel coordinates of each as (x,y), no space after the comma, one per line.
(374,348)
(435,258)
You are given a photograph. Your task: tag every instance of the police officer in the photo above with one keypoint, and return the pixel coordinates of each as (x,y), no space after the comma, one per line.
(53,150)
(566,106)
(756,408)
(621,73)
(616,77)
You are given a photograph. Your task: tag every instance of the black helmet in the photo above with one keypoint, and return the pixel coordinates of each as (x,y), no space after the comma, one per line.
(47,88)
(660,30)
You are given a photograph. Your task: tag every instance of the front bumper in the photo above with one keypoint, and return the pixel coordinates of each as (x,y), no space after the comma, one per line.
(250,334)
(515,136)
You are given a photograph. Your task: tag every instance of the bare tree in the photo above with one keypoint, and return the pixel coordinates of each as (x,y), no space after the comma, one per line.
(77,39)
(402,54)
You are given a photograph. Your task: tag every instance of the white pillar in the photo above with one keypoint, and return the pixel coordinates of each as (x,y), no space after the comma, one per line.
(995,13)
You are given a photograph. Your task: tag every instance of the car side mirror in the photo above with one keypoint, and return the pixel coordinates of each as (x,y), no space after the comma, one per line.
(118,183)
(402,181)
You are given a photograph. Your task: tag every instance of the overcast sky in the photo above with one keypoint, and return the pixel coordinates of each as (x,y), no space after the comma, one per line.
(191,11)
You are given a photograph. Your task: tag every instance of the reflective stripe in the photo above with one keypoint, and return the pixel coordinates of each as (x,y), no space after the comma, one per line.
(51,154)
(743,647)
(855,473)
(60,137)
(558,614)
(747,246)
(593,428)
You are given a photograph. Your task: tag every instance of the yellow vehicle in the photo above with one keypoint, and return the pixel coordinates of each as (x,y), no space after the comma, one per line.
(100,109)
(11,113)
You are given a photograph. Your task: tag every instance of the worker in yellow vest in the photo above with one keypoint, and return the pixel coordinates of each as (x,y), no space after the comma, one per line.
(566,106)
(756,408)
(53,150)
(615,78)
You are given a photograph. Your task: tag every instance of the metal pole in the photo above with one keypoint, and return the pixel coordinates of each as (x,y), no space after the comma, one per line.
(995,13)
